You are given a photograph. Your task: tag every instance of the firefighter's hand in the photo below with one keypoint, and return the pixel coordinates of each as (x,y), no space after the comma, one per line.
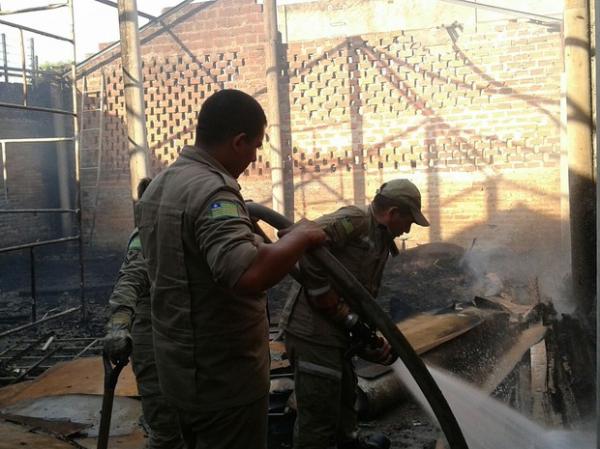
(312,232)
(118,342)
(380,352)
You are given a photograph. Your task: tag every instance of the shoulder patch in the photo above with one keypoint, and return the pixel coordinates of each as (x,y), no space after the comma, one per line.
(347,225)
(135,243)
(224,209)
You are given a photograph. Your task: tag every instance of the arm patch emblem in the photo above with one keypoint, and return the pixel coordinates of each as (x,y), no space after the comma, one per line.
(347,225)
(224,209)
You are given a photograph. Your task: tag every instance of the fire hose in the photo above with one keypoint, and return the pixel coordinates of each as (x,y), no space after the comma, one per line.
(361,302)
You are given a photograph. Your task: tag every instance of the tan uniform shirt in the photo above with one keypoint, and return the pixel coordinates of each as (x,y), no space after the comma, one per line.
(211,344)
(132,289)
(362,246)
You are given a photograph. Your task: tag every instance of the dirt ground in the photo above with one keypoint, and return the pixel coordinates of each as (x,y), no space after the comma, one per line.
(427,278)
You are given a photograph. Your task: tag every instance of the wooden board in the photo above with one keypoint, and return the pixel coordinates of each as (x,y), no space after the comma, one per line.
(425,332)
(510,358)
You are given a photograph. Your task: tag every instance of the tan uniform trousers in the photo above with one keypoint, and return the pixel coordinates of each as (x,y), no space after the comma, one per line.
(159,415)
(325,389)
(242,427)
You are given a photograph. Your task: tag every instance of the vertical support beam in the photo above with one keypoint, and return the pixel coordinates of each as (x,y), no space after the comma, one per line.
(579,141)
(32,60)
(597,58)
(23,66)
(5,58)
(274,112)
(565,220)
(134,92)
(77,142)
(33,289)
(63,174)
(4,171)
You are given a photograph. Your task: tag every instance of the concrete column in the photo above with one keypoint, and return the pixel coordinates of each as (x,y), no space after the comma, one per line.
(134,93)
(274,112)
(580,152)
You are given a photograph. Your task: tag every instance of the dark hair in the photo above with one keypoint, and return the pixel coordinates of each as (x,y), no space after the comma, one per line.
(142,185)
(227,113)
(382,203)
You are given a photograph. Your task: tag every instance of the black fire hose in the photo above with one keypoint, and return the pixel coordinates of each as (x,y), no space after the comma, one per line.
(361,301)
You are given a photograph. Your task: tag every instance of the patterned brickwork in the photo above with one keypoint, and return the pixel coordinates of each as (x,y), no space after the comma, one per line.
(459,116)
(393,101)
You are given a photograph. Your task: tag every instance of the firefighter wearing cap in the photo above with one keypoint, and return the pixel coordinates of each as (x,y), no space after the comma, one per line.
(321,331)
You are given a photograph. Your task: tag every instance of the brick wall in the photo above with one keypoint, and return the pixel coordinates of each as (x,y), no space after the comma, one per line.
(203,48)
(475,122)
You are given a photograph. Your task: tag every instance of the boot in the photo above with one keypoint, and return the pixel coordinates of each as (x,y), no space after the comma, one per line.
(373,441)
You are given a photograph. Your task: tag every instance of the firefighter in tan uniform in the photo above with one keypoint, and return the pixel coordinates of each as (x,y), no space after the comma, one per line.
(129,331)
(322,334)
(208,272)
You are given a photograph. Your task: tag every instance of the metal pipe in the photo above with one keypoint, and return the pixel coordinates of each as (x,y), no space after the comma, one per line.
(115,5)
(99,157)
(35,108)
(509,11)
(35,365)
(38,211)
(38,140)
(33,9)
(63,168)
(4,170)
(5,57)
(274,125)
(33,293)
(35,31)
(115,44)
(580,152)
(42,243)
(86,349)
(21,354)
(23,66)
(57,75)
(77,145)
(32,60)
(37,323)
(134,93)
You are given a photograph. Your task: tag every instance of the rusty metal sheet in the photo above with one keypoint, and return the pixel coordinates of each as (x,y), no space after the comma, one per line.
(86,376)
(135,440)
(81,376)
(82,409)
(56,427)
(16,436)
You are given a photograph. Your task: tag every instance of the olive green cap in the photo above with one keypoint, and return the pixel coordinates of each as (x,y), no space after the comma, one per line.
(405,192)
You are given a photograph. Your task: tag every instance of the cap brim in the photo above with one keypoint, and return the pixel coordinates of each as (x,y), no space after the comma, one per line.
(419,218)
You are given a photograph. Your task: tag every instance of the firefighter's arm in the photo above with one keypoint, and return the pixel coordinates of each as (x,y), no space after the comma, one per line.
(132,283)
